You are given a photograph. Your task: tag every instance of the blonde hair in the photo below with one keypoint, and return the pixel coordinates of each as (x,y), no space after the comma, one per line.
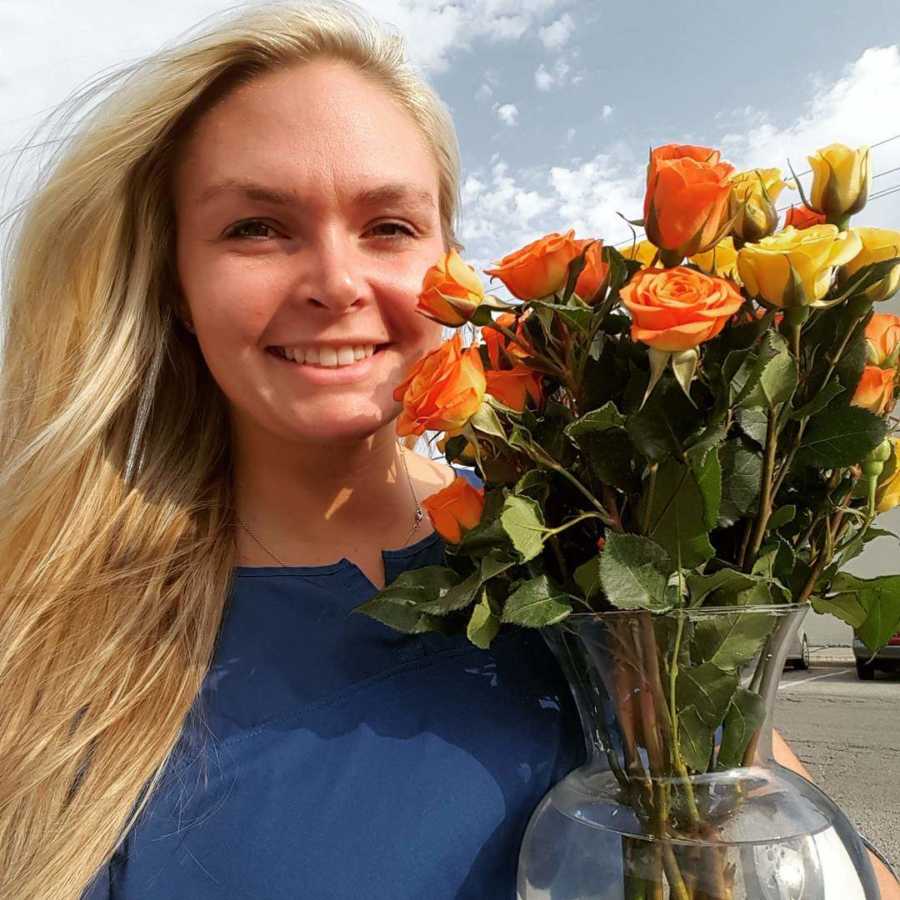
(111,590)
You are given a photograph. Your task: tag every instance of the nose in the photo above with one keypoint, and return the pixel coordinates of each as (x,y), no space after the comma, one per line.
(332,276)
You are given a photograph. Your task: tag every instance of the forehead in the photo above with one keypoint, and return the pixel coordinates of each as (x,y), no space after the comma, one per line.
(317,125)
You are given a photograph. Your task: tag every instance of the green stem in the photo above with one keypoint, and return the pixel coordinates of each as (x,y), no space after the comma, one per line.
(680,766)
(537,453)
(766,494)
(553,365)
(651,488)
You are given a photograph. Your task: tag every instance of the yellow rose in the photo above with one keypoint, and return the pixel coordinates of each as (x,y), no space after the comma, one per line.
(794,268)
(721,260)
(841,179)
(642,251)
(878,244)
(752,203)
(888,495)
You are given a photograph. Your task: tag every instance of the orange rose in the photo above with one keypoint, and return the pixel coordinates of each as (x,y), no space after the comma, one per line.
(875,391)
(883,340)
(496,341)
(594,274)
(677,309)
(539,268)
(686,204)
(451,291)
(514,386)
(455,509)
(803,217)
(442,391)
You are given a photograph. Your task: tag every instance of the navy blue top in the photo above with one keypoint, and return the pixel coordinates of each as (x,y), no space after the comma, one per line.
(330,757)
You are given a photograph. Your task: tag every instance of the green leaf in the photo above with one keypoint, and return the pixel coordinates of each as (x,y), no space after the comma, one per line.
(845,606)
(483,624)
(880,598)
(702,696)
(524,524)
(728,640)
(596,421)
(418,586)
(587,577)
(535,483)
(684,500)
(401,617)
(634,572)
(488,422)
(399,605)
(741,481)
(840,438)
(746,714)
(460,595)
(782,516)
(754,423)
(778,375)
(725,581)
(822,399)
(659,429)
(765,377)
(488,532)
(536,603)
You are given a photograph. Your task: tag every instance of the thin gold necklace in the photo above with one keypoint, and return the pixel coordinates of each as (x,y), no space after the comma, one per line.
(420,514)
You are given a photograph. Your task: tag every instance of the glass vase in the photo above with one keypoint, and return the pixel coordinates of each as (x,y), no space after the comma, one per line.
(680,796)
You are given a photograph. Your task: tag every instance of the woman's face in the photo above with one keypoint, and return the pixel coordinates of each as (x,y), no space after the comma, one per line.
(307,214)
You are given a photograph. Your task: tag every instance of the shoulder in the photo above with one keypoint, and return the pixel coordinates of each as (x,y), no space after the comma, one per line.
(432,475)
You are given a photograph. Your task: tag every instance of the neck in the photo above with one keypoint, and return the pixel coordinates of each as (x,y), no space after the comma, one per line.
(305,499)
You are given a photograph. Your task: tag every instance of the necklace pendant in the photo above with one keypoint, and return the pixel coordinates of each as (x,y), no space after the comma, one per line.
(420,514)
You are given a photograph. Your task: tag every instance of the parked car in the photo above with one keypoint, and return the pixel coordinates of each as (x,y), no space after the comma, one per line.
(888,657)
(798,652)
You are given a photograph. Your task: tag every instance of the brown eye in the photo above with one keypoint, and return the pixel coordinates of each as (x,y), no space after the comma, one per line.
(405,230)
(250,223)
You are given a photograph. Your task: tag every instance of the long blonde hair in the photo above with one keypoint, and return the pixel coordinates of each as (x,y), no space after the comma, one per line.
(112,590)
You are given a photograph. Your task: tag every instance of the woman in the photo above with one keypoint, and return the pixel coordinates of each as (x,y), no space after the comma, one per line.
(212,299)
(191,710)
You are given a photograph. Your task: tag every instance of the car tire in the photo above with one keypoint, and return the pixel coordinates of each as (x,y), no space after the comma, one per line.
(865,671)
(803,659)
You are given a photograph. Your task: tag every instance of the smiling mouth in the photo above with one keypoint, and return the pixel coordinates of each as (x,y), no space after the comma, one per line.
(330,361)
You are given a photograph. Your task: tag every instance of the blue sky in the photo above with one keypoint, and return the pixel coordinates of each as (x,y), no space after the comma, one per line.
(556,102)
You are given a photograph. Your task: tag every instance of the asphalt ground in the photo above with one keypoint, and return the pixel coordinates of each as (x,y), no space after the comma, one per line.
(847,733)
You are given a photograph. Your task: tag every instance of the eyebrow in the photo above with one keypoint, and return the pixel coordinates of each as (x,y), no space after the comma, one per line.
(383,194)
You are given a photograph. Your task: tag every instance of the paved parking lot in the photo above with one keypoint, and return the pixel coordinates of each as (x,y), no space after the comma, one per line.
(847,733)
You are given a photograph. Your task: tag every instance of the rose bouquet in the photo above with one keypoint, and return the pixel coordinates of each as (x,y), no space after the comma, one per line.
(682,445)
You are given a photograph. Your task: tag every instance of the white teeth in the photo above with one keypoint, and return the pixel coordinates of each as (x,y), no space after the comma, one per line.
(328,357)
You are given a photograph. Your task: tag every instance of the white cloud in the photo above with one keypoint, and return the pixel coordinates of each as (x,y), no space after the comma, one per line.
(545,80)
(507,113)
(542,78)
(607,111)
(484,92)
(852,111)
(557,34)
